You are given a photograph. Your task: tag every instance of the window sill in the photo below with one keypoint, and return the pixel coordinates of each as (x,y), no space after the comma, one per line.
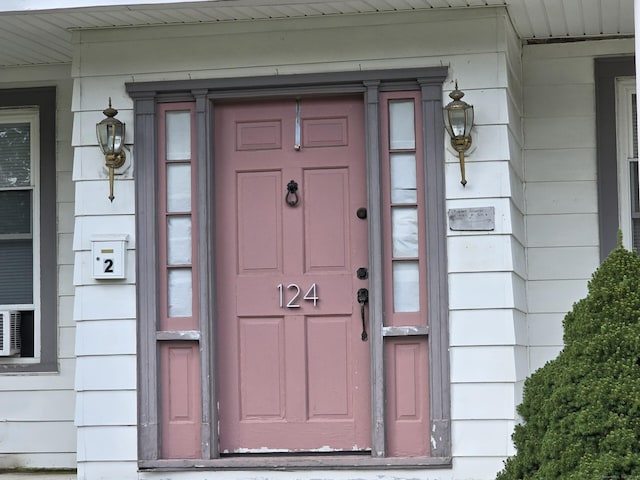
(31,367)
(298,463)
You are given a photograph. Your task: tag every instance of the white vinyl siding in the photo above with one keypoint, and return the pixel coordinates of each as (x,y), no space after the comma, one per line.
(560,174)
(37,409)
(488,72)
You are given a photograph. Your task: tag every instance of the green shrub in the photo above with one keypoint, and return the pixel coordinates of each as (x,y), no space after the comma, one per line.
(581,411)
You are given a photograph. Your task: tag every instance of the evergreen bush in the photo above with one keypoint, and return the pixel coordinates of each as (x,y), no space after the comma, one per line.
(581,411)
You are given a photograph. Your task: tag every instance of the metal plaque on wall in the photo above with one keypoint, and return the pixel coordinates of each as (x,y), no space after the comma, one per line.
(472,219)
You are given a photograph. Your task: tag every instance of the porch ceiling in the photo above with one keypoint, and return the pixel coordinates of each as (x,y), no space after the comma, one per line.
(34,32)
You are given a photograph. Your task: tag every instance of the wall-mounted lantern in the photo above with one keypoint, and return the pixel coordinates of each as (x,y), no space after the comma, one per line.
(110,132)
(458,120)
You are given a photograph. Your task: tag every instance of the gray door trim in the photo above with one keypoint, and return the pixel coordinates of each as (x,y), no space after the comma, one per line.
(205,93)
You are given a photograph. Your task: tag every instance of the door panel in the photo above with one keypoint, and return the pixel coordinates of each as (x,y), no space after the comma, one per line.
(259,221)
(326,219)
(294,372)
(262,358)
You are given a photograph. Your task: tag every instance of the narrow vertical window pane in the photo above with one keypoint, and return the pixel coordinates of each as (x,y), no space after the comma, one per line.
(406,287)
(179,187)
(180,292)
(404,228)
(178,135)
(401,125)
(16,271)
(634,122)
(403,178)
(15,155)
(179,240)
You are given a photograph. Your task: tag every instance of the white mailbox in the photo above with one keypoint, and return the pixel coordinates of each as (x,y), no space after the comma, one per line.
(109,255)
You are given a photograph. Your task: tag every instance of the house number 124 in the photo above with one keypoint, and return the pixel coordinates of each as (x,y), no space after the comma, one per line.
(310,296)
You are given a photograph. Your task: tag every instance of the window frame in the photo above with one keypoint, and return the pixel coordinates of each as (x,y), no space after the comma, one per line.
(45,305)
(625,90)
(607,71)
(204,93)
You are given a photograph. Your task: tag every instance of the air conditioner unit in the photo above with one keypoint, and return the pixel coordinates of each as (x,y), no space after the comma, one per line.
(9,333)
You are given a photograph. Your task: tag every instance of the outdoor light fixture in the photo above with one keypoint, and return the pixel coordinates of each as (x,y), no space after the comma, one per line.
(110,132)
(458,120)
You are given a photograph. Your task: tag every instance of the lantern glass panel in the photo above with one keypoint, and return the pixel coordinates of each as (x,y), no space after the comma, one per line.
(469,121)
(101,132)
(458,122)
(117,131)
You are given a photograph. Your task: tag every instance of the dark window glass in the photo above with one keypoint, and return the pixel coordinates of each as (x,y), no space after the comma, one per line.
(15,155)
(15,212)
(16,271)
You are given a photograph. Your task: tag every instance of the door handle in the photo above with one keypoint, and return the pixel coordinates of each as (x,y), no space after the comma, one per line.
(363,298)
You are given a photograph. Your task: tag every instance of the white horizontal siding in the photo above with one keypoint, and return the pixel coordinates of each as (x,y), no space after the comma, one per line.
(294,43)
(482,401)
(565,132)
(494,433)
(561,191)
(552,296)
(551,263)
(35,406)
(107,408)
(36,476)
(477,58)
(36,411)
(538,356)
(487,327)
(112,372)
(107,470)
(107,443)
(546,101)
(562,71)
(562,230)
(36,460)
(37,437)
(61,380)
(516,156)
(471,291)
(469,468)
(113,337)
(545,329)
(558,165)
(480,364)
(97,201)
(486,253)
(95,302)
(88,226)
(484,179)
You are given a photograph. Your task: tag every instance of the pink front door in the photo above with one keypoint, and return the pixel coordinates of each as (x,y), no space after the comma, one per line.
(293,368)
